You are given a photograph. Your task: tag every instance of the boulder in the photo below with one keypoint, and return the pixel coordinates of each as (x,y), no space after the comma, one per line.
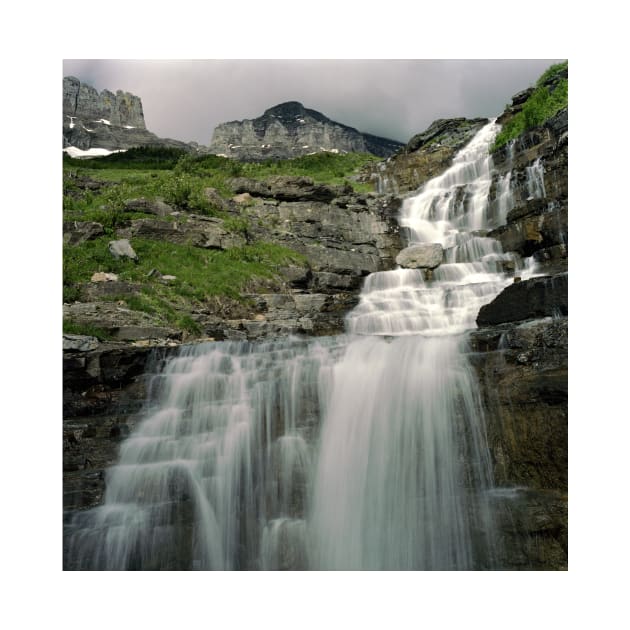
(285,188)
(534,298)
(148,206)
(75,232)
(122,249)
(80,343)
(102,276)
(215,200)
(422,256)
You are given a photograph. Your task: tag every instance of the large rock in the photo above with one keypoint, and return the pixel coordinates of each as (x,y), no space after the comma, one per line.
(76,232)
(538,297)
(122,249)
(199,231)
(290,130)
(421,256)
(284,188)
(148,206)
(80,343)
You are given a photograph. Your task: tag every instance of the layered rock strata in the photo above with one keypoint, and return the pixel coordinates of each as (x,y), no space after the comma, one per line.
(105,120)
(290,130)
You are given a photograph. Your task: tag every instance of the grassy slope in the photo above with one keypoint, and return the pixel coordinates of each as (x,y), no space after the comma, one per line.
(179,179)
(550,95)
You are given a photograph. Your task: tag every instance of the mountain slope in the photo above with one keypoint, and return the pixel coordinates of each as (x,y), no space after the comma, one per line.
(290,130)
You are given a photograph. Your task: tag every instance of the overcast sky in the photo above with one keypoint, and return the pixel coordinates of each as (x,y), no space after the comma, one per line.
(396,99)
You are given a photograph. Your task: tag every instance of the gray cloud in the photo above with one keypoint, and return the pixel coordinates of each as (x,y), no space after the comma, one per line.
(186,100)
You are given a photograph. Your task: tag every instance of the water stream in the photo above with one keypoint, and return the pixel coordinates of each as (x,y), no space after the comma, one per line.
(362,451)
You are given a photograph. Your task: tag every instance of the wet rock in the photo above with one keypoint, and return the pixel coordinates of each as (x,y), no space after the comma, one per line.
(530,299)
(122,249)
(423,256)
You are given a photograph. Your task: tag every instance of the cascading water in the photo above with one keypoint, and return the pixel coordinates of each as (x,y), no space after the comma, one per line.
(363,451)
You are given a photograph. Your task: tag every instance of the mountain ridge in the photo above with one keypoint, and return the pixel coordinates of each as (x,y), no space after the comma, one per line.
(289,130)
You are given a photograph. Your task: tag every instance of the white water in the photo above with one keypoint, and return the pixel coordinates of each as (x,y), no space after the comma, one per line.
(365,451)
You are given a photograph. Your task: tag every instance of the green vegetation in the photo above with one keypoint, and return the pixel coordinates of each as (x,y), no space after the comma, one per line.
(73,328)
(199,273)
(550,96)
(137,158)
(97,190)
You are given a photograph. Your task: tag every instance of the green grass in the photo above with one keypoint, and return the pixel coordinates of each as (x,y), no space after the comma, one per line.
(541,105)
(180,179)
(200,273)
(73,328)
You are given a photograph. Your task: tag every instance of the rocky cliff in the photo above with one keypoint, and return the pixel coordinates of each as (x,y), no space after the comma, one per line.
(290,130)
(425,156)
(105,120)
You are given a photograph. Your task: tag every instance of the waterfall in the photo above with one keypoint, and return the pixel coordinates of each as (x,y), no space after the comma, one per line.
(362,451)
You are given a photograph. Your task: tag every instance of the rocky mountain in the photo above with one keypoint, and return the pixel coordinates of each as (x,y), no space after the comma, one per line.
(290,130)
(107,121)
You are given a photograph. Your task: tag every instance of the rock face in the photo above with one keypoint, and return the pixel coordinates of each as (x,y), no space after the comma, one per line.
(423,256)
(523,369)
(534,298)
(105,120)
(425,156)
(537,165)
(289,130)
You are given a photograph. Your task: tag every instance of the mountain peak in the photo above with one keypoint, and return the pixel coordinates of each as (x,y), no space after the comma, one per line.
(290,108)
(289,130)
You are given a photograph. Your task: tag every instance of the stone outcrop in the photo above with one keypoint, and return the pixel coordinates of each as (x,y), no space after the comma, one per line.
(106,120)
(425,156)
(76,232)
(538,297)
(538,223)
(523,370)
(290,130)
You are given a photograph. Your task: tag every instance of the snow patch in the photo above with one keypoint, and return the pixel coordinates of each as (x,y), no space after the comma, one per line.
(305,146)
(72,118)
(94,152)
(102,120)
(128,127)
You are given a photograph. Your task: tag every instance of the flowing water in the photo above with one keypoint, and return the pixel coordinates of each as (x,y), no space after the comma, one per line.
(362,451)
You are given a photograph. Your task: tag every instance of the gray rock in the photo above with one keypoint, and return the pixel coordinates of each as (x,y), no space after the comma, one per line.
(122,249)
(106,120)
(148,206)
(290,130)
(75,232)
(422,256)
(80,343)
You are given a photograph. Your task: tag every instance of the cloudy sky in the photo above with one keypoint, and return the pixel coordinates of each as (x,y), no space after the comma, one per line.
(186,100)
